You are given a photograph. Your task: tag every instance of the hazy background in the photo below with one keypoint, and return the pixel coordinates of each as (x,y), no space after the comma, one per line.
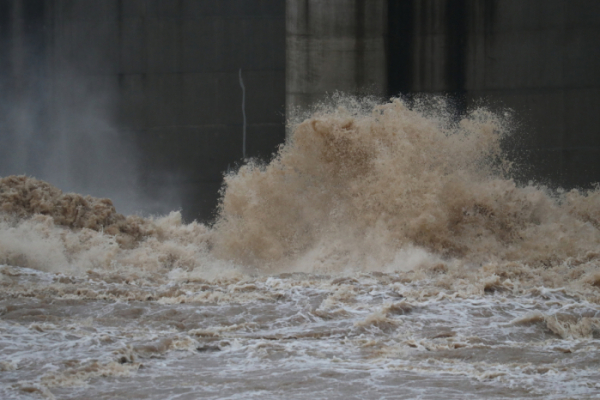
(140,101)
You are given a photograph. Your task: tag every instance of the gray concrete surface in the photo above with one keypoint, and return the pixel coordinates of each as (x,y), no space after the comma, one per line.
(335,45)
(139,100)
(163,74)
(537,57)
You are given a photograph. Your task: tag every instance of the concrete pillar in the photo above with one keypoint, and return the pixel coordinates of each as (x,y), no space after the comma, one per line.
(537,57)
(334,45)
(427,46)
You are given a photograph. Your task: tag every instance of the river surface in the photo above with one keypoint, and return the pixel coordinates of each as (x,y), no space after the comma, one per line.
(364,336)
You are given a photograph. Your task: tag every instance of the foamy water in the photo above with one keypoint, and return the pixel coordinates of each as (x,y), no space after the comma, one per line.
(384,253)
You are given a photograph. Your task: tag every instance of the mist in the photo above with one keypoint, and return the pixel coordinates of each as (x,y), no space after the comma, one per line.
(61,126)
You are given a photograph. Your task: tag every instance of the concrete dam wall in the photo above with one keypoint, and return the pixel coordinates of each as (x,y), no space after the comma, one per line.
(141,100)
(537,57)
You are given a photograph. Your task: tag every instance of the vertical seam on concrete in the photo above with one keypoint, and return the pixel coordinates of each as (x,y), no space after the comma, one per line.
(309,73)
(400,46)
(456,50)
(489,10)
(422,46)
(243,114)
(120,73)
(5,42)
(359,68)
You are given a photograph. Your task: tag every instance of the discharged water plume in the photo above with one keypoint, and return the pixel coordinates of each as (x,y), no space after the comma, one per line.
(384,251)
(359,186)
(359,181)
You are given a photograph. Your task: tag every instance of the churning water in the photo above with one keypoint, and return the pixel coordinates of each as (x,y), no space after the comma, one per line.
(385,252)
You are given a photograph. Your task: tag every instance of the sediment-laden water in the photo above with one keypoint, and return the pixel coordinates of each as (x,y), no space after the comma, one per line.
(385,252)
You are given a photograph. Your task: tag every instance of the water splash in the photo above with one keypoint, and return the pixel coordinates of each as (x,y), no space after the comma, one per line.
(359,181)
(359,186)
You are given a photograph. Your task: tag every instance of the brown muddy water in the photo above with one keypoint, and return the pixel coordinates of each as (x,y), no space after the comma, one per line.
(384,253)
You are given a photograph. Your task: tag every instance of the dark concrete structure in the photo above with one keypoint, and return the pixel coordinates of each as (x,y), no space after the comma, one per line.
(538,57)
(337,45)
(160,78)
(140,100)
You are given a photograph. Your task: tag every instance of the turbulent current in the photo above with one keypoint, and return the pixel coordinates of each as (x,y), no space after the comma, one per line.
(384,252)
